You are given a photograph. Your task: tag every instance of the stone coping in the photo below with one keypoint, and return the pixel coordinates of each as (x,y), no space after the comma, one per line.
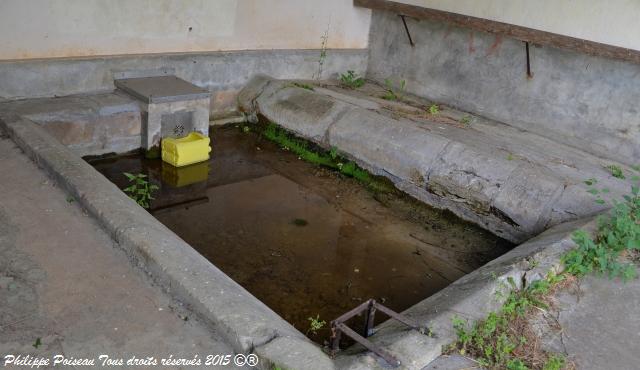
(161,89)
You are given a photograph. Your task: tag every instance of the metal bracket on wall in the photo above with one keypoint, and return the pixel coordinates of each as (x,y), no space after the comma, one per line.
(406,28)
(529,73)
(338,327)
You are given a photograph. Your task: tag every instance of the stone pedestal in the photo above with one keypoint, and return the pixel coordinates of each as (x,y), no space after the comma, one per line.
(171,107)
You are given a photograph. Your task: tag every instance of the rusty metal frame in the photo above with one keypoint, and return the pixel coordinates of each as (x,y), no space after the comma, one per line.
(338,327)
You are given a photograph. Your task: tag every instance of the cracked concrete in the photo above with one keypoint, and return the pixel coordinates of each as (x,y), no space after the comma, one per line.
(600,325)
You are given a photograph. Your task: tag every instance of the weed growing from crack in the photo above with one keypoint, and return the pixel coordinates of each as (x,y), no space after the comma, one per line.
(618,233)
(506,339)
(351,80)
(323,52)
(392,93)
(434,109)
(466,120)
(140,189)
(616,171)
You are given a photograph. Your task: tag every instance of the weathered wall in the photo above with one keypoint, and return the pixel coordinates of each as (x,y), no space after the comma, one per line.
(57,48)
(613,22)
(584,101)
(73,28)
(222,73)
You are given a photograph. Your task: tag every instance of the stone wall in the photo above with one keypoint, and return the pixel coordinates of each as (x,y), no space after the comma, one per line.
(579,100)
(88,125)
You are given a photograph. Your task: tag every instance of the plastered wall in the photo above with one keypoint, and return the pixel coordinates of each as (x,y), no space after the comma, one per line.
(613,22)
(583,101)
(77,28)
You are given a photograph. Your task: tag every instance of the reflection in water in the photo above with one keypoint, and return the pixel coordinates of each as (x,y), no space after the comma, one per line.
(304,240)
(178,177)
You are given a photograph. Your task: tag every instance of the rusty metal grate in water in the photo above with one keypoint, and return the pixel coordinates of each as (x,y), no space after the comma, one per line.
(338,327)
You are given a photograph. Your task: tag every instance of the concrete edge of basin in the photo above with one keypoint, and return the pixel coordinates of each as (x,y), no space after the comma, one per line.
(246,323)
(471,297)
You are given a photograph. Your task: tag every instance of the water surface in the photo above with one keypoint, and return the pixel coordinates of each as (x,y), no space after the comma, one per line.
(305,240)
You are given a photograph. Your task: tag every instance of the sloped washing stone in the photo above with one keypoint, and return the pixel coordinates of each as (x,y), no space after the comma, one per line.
(310,113)
(511,182)
(397,148)
(472,179)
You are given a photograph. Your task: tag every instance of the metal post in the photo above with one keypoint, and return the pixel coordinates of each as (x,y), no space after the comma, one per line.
(529,73)
(406,28)
(370,319)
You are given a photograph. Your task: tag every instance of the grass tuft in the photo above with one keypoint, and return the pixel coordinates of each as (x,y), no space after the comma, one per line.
(331,159)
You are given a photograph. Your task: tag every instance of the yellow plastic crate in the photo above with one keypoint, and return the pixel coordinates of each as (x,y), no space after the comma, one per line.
(187,150)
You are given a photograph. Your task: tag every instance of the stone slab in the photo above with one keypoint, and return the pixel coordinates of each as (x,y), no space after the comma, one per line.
(87,124)
(161,89)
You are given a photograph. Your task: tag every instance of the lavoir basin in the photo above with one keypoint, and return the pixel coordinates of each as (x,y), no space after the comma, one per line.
(307,241)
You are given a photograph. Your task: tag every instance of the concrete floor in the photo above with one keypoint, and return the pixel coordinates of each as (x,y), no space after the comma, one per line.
(600,324)
(63,280)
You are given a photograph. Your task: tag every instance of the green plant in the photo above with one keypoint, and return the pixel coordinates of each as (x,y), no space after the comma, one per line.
(351,80)
(323,52)
(302,85)
(555,362)
(391,93)
(333,153)
(140,189)
(331,159)
(502,340)
(617,232)
(466,120)
(616,171)
(434,109)
(315,324)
